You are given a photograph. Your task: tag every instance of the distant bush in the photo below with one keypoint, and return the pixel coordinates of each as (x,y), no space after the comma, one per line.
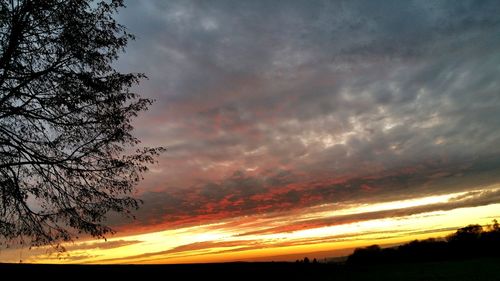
(470,241)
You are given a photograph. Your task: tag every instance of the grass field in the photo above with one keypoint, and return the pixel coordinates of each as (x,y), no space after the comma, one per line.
(467,270)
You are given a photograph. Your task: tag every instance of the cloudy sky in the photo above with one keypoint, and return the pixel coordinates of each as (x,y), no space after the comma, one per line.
(298,127)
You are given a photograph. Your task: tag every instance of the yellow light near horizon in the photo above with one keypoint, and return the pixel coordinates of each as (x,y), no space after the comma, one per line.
(167,246)
(441,220)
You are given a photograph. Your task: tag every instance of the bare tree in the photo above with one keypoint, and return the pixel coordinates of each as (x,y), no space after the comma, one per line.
(67,154)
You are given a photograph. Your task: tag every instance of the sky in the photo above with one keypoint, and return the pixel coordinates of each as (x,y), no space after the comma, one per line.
(299,128)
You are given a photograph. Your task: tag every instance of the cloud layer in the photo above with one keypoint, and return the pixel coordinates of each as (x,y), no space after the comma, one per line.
(330,229)
(283,105)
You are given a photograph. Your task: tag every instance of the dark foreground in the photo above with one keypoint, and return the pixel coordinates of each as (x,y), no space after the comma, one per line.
(471,269)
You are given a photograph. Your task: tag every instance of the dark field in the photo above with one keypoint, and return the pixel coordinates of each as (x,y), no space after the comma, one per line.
(472,269)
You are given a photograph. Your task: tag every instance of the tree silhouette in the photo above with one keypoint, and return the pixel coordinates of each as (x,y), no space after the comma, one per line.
(469,233)
(67,155)
(467,242)
(495,226)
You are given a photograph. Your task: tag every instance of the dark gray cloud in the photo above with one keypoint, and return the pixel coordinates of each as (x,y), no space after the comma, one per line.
(470,199)
(347,98)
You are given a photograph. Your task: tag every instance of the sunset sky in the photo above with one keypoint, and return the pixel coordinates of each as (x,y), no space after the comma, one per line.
(306,128)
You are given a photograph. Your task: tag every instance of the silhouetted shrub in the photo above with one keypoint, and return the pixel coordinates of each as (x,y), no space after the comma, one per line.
(470,241)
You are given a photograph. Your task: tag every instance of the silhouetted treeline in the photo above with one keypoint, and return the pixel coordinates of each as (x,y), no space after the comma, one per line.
(467,242)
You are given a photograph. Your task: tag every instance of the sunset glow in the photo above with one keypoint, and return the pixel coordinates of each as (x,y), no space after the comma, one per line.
(261,237)
(303,128)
